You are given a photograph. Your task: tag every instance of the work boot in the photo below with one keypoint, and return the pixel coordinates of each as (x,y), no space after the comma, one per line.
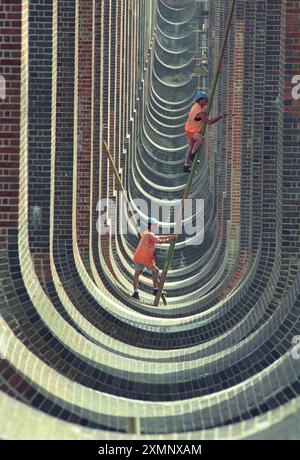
(136,296)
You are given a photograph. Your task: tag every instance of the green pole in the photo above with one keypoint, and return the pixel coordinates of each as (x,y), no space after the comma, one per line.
(194,164)
(122,188)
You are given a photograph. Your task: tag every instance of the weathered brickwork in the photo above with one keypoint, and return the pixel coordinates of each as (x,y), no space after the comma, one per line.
(73,344)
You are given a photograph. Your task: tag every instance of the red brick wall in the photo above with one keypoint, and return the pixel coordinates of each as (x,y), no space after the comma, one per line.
(85,120)
(10,69)
(237,109)
(289,126)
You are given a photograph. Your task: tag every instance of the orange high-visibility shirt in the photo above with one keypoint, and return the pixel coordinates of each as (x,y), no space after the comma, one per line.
(192,125)
(144,253)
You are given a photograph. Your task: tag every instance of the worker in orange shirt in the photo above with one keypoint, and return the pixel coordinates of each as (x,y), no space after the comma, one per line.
(194,125)
(144,256)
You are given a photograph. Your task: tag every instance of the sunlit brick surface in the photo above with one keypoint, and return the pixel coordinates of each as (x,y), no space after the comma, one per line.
(80,359)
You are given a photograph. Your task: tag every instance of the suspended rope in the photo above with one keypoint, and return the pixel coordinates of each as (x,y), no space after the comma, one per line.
(178,225)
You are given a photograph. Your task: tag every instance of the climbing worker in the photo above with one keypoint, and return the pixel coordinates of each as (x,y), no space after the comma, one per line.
(144,256)
(194,124)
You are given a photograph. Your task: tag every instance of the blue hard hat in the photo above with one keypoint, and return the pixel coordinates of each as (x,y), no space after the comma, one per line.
(152,221)
(201,95)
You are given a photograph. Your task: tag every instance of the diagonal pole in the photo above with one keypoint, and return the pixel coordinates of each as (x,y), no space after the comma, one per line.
(196,156)
(122,188)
